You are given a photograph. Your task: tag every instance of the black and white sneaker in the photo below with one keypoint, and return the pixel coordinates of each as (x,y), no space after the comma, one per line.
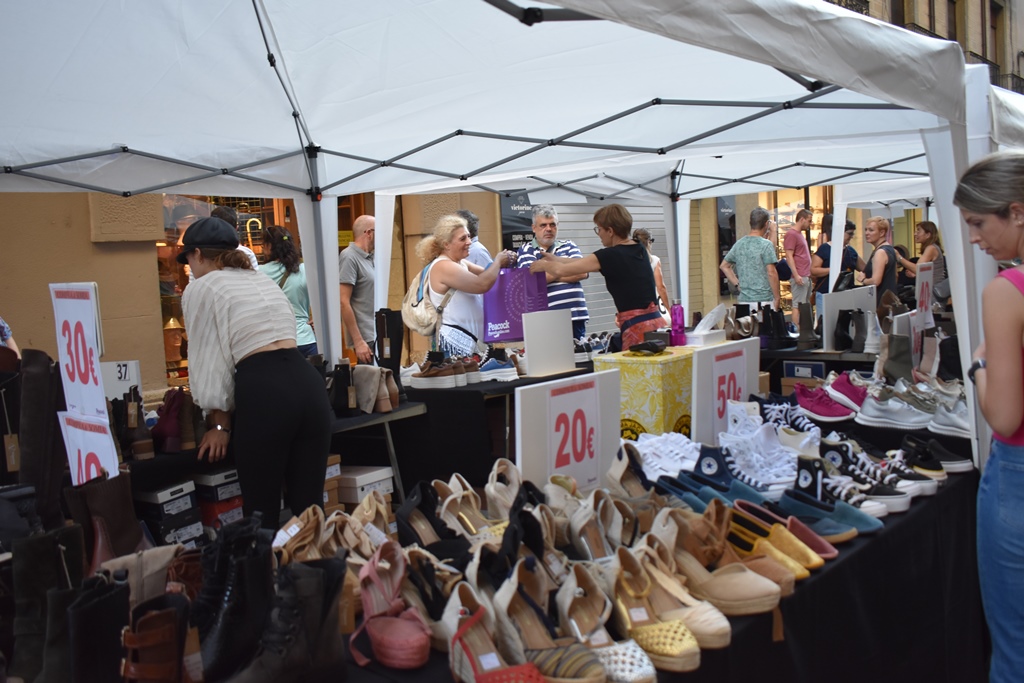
(951,462)
(841,456)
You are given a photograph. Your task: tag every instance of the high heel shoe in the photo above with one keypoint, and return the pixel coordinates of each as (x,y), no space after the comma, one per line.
(473,656)
(564,500)
(669,644)
(300,541)
(525,634)
(427,586)
(373,512)
(588,533)
(419,524)
(398,636)
(583,610)
(555,560)
(707,623)
(502,488)
(460,511)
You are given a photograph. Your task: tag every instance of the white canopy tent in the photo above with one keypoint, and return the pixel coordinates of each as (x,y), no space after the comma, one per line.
(311,99)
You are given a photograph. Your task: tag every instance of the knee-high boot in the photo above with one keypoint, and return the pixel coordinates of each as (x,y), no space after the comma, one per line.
(43,455)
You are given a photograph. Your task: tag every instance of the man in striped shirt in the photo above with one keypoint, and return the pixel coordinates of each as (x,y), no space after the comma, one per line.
(564,292)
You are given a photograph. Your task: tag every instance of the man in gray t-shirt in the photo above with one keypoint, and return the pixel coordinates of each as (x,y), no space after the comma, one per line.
(750,264)
(355,275)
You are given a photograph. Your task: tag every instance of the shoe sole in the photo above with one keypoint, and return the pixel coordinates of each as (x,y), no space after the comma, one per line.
(742,608)
(932,474)
(948,431)
(689,662)
(840,538)
(927,488)
(842,399)
(472,377)
(499,375)
(433,382)
(957,466)
(826,418)
(893,503)
(868,421)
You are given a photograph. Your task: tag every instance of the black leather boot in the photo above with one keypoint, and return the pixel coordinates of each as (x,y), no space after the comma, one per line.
(860,331)
(41,563)
(843,340)
(807,339)
(43,456)
(234,636)
(215,560)
(57,651)
(95,623)
(767,328)
(390,340)
(301,639)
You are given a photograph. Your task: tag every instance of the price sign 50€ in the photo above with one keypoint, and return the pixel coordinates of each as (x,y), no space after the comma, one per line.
(75,317)
(729,377)
(572,437)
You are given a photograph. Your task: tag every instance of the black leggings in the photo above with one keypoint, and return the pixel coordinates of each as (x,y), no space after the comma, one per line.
(282,433)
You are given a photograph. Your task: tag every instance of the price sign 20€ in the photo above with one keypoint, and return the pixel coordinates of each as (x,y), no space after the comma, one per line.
(572,435)
(729,375)
(75,317)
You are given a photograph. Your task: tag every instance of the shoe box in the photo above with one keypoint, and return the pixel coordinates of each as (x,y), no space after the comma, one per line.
(172,514)
(218,513)
(356,481)
(788,384)
(217,486)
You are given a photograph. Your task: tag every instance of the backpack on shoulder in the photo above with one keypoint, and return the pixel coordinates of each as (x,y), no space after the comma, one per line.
(418,313)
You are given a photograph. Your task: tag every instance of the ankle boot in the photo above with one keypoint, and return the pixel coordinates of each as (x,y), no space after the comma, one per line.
(390,340)
(43,456)
(780,338)
(114,429)
(301,638)
(41,563)
(186,422)
(155,645)
(141,437)
(166,432)
(216,557)
(105,510)
(341,390)
(95,623)
(860,332)
(767,331)
(57,651)
(242,614)
(843,340)
(872,343)
(807,339)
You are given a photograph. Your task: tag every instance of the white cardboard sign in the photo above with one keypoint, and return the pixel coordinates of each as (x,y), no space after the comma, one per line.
(574,415)
(75,315)
(90,447)
(729,377)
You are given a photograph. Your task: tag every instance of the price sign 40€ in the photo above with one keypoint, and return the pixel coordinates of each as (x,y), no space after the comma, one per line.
(572,434)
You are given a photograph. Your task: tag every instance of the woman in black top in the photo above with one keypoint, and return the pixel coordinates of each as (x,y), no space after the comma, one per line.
(881,265)
(626,269)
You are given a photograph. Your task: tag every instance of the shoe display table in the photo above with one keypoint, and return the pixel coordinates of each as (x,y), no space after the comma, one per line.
(902,605)
(470,427)
(404,411)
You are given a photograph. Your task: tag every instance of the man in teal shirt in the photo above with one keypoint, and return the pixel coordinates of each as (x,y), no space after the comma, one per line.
(750,264)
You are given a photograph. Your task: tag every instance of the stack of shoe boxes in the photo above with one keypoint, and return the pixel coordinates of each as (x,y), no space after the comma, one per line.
(331,503)
(220,497)
(355,482)
(172,515)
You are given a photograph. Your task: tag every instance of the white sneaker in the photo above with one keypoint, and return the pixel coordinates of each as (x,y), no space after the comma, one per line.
(873,342)
(800,443)
(891,414)
(749,467)
(846,489)
(744,418)
(951,421)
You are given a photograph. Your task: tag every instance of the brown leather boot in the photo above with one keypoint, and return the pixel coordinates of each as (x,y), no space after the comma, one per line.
(155,645)
(104,509)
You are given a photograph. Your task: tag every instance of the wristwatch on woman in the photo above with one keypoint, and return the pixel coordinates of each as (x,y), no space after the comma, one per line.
(978,364)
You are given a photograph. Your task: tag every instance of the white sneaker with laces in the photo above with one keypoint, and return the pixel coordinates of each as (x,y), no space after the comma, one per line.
(744,418)
(891,413)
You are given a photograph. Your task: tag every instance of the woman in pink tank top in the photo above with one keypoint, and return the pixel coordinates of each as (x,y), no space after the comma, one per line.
(991,199)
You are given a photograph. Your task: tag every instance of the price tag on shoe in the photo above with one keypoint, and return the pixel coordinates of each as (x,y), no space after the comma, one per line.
(729,379)
(90,447)
(75,309)
(572,417)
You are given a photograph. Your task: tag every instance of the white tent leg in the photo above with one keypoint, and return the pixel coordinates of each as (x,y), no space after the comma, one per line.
(384,212)
(318,229)
(835,261)
(681,218)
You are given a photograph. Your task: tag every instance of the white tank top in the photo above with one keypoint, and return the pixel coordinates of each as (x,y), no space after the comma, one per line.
(463,310)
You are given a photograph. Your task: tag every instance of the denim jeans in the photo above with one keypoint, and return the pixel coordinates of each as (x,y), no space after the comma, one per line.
(1001,558)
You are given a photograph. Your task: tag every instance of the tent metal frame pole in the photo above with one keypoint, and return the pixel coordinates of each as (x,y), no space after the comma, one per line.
(315,197)
(69,183)
(536,15)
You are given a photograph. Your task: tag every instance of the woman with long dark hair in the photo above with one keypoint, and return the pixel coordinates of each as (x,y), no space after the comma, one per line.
(257,390)
(991,199)
(290,275)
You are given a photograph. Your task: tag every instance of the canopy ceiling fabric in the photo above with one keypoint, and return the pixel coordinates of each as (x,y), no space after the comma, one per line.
(417,93)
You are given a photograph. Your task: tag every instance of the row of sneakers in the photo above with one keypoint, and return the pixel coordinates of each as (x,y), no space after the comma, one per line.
(460,372)
(585,348)
(940,407)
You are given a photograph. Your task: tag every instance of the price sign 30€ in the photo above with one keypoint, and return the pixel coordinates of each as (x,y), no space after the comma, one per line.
(75,316)
(572,434)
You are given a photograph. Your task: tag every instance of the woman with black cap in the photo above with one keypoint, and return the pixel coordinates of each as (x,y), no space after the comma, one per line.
(250,379)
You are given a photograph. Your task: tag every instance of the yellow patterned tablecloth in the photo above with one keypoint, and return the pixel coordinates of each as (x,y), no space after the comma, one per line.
(656,390)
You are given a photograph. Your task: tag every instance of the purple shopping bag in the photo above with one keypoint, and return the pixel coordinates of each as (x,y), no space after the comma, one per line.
(516,291)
